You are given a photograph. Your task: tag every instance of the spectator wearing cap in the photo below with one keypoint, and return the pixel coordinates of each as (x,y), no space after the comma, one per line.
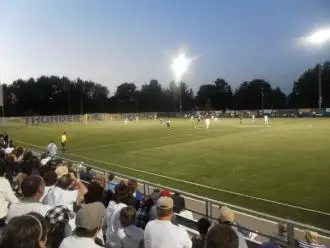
(227,217)
(130,235)
(58,225)
(111,223)
(203,226)
(88,221)
(311,241)
(33,188)
(7,195)
(161,233)
(222,236)
(26,231)
(62,195)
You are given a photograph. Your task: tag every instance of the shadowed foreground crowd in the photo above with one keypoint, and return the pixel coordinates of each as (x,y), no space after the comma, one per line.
(46,204)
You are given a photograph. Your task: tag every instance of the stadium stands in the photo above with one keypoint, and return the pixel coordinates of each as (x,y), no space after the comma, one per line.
(118,210)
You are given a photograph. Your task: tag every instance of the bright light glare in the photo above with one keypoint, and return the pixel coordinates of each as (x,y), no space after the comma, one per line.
(180,66)
(320,36)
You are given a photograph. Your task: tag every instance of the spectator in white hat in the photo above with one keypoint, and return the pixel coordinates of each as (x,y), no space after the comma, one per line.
(88,222)
(161,233)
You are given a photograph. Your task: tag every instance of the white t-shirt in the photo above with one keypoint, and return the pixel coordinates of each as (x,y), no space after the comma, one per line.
(111,223)
(52,149)
(47,190)
(26,206)
(58,196)
(7,197)
(81,242)
(164,234)
(130,236)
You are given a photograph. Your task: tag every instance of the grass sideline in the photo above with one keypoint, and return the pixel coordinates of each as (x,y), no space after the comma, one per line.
(286,162)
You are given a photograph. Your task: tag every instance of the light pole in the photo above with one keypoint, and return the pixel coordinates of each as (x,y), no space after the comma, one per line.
(320,37)
(180,66)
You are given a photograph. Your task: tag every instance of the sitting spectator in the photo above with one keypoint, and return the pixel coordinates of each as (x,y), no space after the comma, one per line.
(27,231)
(279,239)
(130,235)
(220,236)
(203,226)
(7,195)
(142,214)
(33,188)
(133,185)
(180,206)
(88,222)
(61,195)
(18,155)
(111,182)
(58,225)
(227,216)
(161,232)
(50,179)
(12,169)
(95,193)
(311,241)
(111,223)
(88,175)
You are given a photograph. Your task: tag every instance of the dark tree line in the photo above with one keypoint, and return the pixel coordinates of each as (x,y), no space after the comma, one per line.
(60,95)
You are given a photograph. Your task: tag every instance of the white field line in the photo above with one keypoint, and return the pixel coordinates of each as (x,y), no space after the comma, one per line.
(147,140)
(192,183)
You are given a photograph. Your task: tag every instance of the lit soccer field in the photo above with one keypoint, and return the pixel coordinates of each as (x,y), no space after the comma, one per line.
(287,162)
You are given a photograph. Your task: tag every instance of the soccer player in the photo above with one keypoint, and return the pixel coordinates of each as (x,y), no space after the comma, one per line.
(266,119)
(207,122)
(126,121)
(63,141)
(198,121)
(240,118)
(253,118)
(168,124)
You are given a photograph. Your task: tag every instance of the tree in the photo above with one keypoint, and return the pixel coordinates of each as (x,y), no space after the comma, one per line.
(151,97)
(215,96)
(305,90)
(256,94)
(126,98)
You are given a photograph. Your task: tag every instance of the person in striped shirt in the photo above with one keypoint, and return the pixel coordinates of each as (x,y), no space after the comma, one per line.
(311,241)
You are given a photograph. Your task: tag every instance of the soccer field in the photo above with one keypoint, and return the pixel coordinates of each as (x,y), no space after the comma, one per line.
(287,162)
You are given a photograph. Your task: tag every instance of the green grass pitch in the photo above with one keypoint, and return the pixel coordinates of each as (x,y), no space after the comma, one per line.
(287,162)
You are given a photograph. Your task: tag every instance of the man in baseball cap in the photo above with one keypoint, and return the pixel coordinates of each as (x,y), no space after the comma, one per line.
(158,231)
(88,222)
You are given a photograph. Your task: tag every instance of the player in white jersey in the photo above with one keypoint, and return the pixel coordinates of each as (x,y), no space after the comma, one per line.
(253,118)
(126,121)
(207,122)
(266,119)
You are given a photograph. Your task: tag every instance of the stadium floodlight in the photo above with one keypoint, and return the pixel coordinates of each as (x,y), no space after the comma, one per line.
(319,37)
(180,66)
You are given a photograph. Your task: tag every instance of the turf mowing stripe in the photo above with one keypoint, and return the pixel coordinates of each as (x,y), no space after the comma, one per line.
(191,183)
(147,140)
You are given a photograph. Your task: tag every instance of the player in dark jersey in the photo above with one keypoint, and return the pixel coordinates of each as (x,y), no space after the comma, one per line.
(241,119)
(198,121)
(168,124)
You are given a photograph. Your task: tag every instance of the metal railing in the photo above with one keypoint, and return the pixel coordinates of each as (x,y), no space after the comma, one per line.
(207,207)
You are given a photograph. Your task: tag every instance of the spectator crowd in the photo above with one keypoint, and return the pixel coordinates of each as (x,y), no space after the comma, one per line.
(47,202)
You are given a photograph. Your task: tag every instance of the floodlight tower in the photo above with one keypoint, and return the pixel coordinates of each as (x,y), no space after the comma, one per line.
(180,66)
(320,37)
